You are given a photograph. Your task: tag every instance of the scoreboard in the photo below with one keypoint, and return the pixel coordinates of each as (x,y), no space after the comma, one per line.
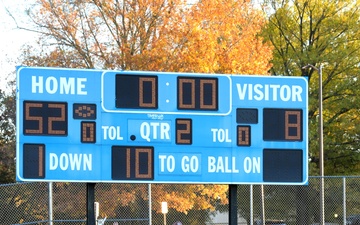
(77,125)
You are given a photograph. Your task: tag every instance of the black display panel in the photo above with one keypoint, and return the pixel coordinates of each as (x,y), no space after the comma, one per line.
(136,92)
(88,132)
(84,111)
(282,125)
(34,161)
(132,163)
(243,136)
(183,131)
(45,118)
(249,116)
(197,93)
(282,165)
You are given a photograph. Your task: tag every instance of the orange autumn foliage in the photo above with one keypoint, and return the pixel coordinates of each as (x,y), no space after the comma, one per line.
(212,36)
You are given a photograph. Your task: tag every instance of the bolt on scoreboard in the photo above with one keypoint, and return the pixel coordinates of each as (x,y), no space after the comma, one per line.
(78,125)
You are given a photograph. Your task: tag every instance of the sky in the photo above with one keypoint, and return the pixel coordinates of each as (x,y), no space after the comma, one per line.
(12,38)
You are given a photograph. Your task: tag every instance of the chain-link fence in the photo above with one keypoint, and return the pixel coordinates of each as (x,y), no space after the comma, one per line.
(132,204)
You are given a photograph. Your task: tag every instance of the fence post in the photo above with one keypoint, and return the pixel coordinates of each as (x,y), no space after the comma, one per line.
(263,218)
(150,203)
(90,199)
(344,200)
(233,204)
(251,204)
(50,189)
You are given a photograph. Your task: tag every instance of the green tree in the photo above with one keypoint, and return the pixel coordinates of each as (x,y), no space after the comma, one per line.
(7,136)
(322,33)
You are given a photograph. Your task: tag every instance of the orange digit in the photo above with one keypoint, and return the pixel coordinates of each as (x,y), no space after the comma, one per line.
(28,106)
(59,118)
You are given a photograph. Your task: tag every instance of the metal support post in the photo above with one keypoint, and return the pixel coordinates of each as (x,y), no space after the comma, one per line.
(321,143)
(232,204)
(90,199)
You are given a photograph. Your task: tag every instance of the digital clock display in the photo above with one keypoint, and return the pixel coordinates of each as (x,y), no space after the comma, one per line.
(197,93)
(136,92)
(141,92)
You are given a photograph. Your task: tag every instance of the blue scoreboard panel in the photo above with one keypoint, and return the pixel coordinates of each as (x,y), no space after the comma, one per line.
(153,127)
